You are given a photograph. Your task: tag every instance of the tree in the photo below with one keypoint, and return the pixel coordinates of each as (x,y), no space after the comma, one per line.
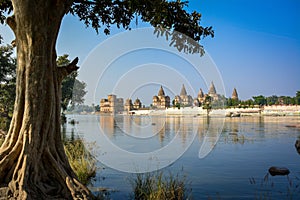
(97,108)
(7,85)
(297,98)
(232,102)
(260,100)
(207,104)
(272,100)
(73,90)
(33,163)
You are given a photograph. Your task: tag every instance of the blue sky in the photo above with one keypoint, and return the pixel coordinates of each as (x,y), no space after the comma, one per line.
(256,46)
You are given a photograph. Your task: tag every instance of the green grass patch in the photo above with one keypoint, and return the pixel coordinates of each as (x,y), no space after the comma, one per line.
(156,186)
(81,160)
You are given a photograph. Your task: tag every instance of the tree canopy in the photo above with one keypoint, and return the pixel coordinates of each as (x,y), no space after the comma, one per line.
(168,17)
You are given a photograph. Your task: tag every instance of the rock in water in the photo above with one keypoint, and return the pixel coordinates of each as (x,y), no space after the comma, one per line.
(282,171)
(297,145)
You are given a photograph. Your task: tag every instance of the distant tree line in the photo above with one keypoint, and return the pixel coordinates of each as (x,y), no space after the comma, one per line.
(264,101)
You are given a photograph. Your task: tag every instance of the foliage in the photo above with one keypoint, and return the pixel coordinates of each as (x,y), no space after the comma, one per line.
(7,85)
(297,98)
(259,100)
(159,13)
(81,108)
(232,102)
(156,186)
(73,90)
(81,160)
(5,7)
(97,108)
(168,17)
(275,100)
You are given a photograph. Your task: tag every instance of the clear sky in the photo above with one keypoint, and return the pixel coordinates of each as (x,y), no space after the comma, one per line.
(256,46)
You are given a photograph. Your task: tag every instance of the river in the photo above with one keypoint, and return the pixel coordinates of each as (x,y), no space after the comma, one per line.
(221,158)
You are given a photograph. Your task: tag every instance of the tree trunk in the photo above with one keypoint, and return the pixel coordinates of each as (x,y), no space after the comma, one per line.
(33,164)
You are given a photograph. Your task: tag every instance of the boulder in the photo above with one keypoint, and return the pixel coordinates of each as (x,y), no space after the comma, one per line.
(282,171)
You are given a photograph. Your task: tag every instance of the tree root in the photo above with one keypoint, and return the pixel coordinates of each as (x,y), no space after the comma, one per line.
(51,178)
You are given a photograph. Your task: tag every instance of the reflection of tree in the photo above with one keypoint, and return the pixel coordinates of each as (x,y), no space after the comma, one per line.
(207,104)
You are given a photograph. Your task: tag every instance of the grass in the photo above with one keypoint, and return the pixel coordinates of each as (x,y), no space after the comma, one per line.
(81,160)
(269,189)
(156,186)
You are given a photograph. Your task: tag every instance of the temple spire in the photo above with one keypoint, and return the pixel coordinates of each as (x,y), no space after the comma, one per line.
(200,93)
(212,89)
(234,94)
(161,91)
(183,91)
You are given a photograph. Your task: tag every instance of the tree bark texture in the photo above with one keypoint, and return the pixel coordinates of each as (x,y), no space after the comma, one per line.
(33,164)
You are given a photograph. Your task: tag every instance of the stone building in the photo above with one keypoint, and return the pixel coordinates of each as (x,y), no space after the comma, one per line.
(137,104)
(128,106)
(161,101)
(200,98)
(183,99)
(111,105)
(234,94)
(212,92)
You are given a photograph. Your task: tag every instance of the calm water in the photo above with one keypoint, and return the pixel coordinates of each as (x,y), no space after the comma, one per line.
(245,149)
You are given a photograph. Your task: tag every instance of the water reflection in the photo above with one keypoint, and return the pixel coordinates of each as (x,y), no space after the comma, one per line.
(148,133)
(158,131)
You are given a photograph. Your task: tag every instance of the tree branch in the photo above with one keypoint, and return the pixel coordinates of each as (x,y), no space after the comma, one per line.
(11,22)
(68,69)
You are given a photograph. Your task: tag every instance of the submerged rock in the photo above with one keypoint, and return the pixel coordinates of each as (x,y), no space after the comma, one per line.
(297,146)
(292,126)
(282,171)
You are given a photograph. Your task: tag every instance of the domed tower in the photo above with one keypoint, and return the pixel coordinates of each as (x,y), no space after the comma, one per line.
(161,101)
(128,105)
(137,104)
(234,94)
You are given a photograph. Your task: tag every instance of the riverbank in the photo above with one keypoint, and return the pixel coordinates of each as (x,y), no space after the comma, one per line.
(232,112)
